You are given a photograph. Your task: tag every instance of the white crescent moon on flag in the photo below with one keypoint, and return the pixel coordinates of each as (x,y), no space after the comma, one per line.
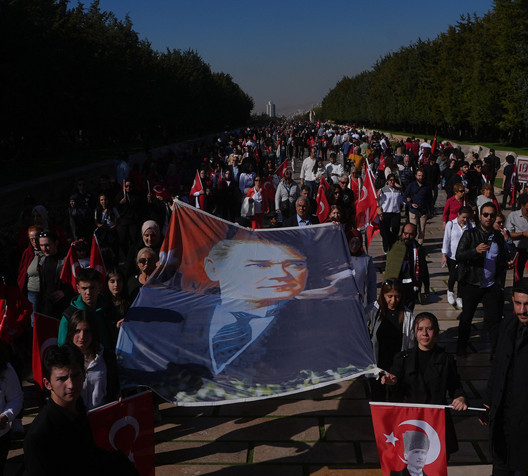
(434,441)
(322,205)
(74,268)
(121,423)
(364,194)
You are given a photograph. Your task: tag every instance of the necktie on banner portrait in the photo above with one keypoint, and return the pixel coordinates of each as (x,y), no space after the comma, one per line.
(233,314)
(410,436)
(127,426)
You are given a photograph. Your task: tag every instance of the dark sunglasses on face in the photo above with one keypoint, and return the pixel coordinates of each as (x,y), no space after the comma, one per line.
(486,215)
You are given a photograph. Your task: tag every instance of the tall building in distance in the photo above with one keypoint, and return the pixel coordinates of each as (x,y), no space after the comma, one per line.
(270,109)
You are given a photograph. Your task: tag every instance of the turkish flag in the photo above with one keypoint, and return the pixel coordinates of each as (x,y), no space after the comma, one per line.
(45,332)
(197,184)
(160,190)
(281,169)
(381,165)
(433,146)
(323,207)
(127,426)
(366,207)
(197,187)
(96,259)
(408,435)
(268,187)
(70,268)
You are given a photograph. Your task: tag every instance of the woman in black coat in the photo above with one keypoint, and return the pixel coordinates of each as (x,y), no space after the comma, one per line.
(427,374)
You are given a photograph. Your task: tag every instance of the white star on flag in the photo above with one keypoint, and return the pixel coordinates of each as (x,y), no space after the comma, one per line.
(391,439)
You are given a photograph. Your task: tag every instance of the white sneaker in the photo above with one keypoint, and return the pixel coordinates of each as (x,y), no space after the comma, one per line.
(451,297)
(459,302)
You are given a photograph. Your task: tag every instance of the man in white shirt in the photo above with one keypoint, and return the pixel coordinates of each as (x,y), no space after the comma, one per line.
(334,170)
(307,173)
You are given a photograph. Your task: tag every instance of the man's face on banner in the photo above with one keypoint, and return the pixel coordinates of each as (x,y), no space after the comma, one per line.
(260,272)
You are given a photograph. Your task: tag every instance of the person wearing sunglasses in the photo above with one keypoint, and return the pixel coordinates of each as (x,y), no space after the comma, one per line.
(481,256)
(146,261)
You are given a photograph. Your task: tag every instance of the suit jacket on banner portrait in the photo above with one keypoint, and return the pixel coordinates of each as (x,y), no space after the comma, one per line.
(410,438)
(292,348)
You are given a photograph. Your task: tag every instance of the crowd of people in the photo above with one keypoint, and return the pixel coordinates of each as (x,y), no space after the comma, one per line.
(247,177)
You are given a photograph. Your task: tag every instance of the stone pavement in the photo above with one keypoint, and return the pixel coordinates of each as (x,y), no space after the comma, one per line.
(323,432)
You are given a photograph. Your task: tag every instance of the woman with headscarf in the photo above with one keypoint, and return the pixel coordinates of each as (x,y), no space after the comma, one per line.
(150,238)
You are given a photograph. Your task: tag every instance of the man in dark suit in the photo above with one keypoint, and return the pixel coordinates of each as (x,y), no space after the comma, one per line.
(406,261)
(303,216)
(507,395)
(262,328)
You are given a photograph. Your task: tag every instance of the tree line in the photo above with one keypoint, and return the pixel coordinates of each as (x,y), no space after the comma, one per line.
(80,75)
(471,82)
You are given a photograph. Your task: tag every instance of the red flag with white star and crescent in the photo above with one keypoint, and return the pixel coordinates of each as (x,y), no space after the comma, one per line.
(128,426)
(410,437)
(323,207)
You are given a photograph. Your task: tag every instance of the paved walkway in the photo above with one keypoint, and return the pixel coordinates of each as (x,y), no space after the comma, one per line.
(323,432)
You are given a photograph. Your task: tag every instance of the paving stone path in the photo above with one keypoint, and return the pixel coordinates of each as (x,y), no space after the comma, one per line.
(322,432)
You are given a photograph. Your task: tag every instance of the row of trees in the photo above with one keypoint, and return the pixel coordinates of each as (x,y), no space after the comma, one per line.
(71,75)
(469,82)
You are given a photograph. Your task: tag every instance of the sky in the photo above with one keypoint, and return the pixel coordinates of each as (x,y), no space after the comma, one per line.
(291,52)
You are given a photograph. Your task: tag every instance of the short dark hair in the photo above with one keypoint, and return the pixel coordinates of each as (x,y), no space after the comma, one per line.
(49,234)
(465,209)
(89,275)
(67,355)
(523,199)
(488,205)
(521,286)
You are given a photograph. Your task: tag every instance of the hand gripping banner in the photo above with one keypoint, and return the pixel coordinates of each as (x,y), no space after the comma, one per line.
(233,314)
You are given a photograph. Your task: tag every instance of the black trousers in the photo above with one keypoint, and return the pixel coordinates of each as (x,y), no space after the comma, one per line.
(490,299)
(5,441)
(389,229)
(452,267)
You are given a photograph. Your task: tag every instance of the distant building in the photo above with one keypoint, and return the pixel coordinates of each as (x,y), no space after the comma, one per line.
(270,109)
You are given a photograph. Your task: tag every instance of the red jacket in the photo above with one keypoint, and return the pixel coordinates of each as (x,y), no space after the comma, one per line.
(25,261)
(451,208)
(15,311)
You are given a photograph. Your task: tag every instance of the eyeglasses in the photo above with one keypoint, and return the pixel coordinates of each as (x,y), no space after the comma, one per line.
(486,215)
(146,260)
(344,183)
(500,223)
(257,180)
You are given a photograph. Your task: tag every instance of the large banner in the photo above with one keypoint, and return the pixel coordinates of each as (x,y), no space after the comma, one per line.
(234,314)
